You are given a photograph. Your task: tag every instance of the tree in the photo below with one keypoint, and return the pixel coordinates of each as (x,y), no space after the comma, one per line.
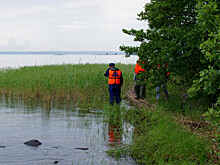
(208,82)
(186,35)
(173,37)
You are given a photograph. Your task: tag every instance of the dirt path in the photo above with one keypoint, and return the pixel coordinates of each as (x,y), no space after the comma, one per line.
(140,103)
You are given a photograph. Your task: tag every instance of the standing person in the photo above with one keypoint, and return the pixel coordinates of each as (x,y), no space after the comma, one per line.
(139,86)
(163,85)
(115,81)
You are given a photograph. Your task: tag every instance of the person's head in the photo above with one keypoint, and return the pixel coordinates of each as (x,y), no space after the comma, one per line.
(111,65)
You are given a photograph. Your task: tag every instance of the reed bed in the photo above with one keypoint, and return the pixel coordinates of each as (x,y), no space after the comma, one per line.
(85,85)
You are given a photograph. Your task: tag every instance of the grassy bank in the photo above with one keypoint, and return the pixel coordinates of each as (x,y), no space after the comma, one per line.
(85,85)
(157,138)
(170,132)
(160,140)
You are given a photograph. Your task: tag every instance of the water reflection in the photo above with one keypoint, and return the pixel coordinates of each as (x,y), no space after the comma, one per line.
(60,128)
(114,136)
(115,129)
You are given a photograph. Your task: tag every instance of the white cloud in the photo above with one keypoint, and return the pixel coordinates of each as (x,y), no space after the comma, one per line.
(13,44)
(56,24)
(76,4)
(70,26)
(18,12)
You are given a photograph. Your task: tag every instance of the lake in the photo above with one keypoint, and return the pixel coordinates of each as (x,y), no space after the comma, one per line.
(61,129)
(53,58)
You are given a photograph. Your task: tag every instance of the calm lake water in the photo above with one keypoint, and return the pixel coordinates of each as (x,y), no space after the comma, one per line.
(59,127)
(19,60)
(61,130)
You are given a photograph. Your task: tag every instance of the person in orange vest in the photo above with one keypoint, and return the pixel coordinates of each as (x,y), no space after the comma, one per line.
(115,81)
(139,88)
(163,85)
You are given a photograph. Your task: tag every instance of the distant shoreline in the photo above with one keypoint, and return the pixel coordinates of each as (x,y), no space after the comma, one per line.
(64,52)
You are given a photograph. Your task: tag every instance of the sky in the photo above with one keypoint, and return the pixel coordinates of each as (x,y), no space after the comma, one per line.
(68,25)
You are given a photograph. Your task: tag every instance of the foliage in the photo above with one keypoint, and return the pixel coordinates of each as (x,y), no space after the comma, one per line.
(209,22)
(172,37)
(209,81)
(186,36)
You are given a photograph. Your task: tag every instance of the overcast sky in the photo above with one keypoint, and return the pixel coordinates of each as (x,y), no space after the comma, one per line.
(83,25)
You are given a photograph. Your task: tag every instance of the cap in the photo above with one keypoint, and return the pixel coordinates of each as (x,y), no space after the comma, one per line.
(111,64)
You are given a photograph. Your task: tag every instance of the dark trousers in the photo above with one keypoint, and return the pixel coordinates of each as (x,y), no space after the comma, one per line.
(140,90)
(115,93)
(165,91)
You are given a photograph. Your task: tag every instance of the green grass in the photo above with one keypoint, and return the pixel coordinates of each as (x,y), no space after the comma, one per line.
(165,141)
(85,84)
(160,140)
(177,102)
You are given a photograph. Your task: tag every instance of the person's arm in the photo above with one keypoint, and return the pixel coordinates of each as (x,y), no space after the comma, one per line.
(106,74)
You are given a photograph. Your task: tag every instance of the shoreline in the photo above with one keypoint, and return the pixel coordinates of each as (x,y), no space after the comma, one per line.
(15,61)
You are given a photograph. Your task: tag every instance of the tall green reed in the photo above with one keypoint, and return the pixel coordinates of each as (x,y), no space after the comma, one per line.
(84,84)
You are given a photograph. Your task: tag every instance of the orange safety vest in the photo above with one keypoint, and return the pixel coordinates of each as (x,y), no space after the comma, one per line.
(114,77)
(138,68)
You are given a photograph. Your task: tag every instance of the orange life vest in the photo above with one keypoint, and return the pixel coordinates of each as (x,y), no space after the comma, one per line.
(138,68)
(114,77)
